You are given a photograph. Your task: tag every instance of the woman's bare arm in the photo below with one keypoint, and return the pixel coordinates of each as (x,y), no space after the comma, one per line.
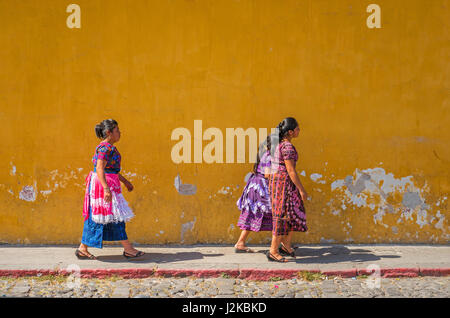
(122,179)
(100,168)
(126,182)
(290,167)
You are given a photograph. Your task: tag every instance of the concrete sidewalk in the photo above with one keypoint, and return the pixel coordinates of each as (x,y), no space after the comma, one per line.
(216,260)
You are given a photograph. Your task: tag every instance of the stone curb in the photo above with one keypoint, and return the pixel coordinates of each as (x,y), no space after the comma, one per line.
(249,274)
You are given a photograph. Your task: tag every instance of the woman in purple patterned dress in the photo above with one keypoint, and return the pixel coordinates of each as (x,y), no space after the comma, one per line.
(287,193)
(254,204)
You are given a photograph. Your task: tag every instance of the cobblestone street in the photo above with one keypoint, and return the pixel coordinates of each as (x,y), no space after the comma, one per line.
(64,287)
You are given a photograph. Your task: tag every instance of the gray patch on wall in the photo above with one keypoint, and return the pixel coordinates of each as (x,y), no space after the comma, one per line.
(412,200)
(389,208)
(360,184)
(185,189)
(27,194)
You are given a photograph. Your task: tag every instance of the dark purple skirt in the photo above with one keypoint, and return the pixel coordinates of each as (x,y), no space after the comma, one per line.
(255,206)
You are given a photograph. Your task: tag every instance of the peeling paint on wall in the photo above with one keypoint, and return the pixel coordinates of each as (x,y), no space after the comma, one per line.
(440,223)
(27,194)
(316,176)
(61,180)
(412,200)
(129,175)
(185,189)
(224,190)
(136,176)
(13,169)
(373,188)
(45,192)
(54,181)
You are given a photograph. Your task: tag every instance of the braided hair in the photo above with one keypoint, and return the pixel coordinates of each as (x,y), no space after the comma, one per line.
(289,123)
(105,126)
(267,145)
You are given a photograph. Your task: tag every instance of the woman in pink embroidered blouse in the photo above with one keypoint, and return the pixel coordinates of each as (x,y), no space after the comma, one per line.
(105,209)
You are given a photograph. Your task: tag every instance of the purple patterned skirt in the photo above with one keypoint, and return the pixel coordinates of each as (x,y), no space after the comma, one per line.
(255,206)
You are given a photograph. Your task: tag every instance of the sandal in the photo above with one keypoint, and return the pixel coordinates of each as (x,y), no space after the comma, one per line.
(128,256)
(272,258)
(81,255)
(243,250)
(283,251)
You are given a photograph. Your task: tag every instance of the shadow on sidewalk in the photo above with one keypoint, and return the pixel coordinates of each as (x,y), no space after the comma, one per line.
(334,254)
(159,258)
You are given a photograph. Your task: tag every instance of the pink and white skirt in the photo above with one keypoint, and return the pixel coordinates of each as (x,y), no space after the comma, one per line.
(102,212)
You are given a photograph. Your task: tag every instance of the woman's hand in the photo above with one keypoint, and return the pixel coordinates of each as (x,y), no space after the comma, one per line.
(129,186)
(126,183)
(290,167)
(107,195)
(304,195)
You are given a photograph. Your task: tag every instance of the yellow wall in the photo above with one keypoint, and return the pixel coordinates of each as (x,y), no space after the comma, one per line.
(373,106)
